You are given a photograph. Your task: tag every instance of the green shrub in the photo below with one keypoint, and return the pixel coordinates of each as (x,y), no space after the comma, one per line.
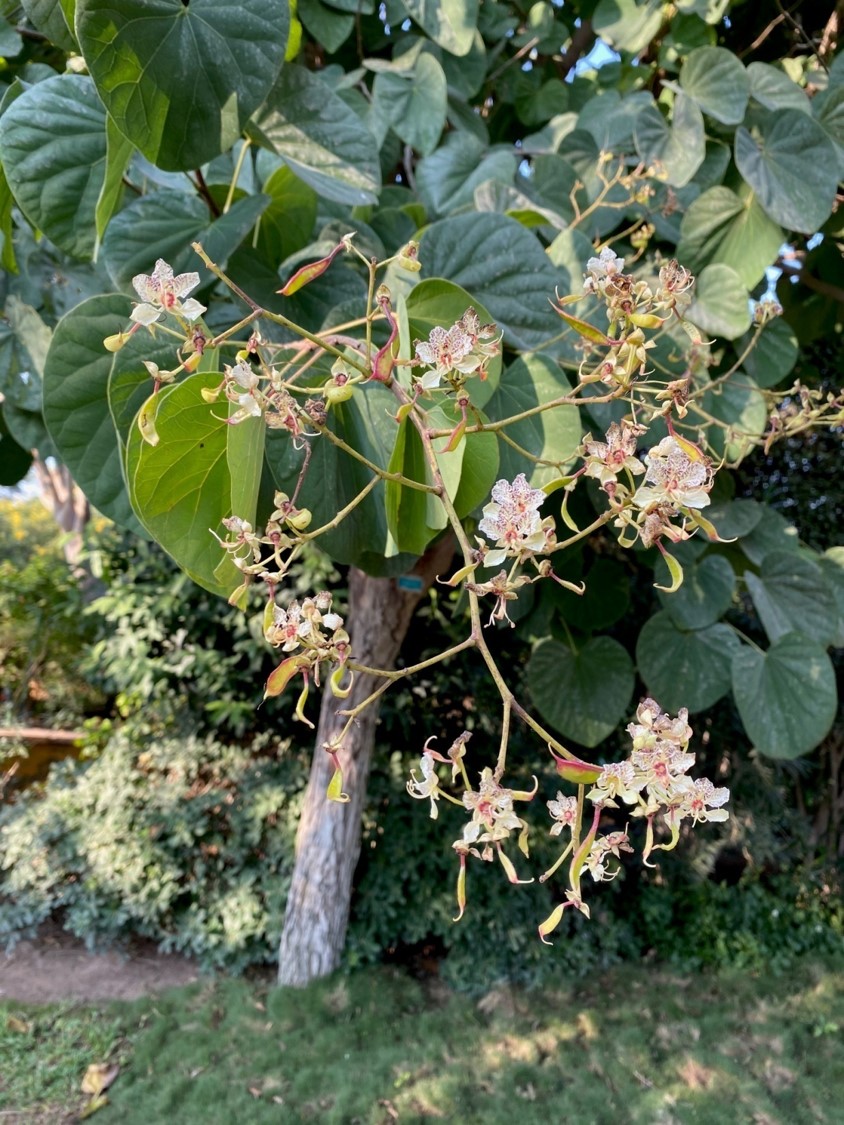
(43,637)
(183,841)
(765,922)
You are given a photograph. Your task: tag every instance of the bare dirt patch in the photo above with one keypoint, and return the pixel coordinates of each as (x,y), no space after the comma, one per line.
(57,967)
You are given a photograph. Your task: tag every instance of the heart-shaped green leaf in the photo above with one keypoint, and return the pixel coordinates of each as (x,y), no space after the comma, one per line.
(705,595)
(775,161)
(721,226)
(772,532)
(774,354)
(503,266)
(53,145)
(721,305)
(786,696)
(414,104)
(450,23)
(582,694)
(685,669)
(181,487)
(76,410)
(718,82)
(791,595)
(320,138)
(448,177)
(679,147)
(180,79)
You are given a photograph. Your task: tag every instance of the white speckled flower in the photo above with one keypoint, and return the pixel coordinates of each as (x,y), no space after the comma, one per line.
(512,520)
(674,475)
(161,292)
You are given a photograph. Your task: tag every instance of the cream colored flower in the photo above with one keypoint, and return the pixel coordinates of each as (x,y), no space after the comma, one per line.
(674,477)
(161,292)
(428,786)
(563,812)
(512,520)
(617,779)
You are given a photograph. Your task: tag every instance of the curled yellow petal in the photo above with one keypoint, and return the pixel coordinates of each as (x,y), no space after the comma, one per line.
(146,420)
(299,713)
(507,864)
(461,890)
(335,788)
(116,342)
(457,578)
(551,922)
(239,598)
(674,569)
(337,688)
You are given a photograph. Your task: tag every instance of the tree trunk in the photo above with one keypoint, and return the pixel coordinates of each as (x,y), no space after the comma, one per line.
(66,502)
(328,839)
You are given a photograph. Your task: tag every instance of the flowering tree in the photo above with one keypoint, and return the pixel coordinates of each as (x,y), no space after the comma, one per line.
(385,307)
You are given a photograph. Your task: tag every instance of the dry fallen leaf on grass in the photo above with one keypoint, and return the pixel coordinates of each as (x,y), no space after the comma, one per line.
(93,1105)
(98,1078)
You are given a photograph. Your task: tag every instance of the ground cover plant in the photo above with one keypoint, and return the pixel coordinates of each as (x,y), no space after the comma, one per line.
(633,1045)
(302,302)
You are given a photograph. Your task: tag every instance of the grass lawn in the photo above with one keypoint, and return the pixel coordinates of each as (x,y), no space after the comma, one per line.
(635,1045)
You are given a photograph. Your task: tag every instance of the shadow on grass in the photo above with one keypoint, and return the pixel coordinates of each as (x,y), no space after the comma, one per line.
(636,1045)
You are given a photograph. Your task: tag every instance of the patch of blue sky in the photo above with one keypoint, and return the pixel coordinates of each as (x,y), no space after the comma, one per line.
(600,54)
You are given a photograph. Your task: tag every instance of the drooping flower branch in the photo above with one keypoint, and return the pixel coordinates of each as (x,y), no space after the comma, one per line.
(654,489)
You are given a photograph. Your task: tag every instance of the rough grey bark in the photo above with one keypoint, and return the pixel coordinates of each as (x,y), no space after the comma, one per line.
(328,840)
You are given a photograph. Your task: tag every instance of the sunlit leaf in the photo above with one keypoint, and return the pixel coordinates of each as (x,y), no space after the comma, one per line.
(180,80)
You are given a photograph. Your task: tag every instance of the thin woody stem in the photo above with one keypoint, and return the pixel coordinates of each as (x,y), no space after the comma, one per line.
(223,336)
(341,515)
(544,734)
(390,677)
(382,473)
(505,738)
(393,674)
(277,318)
(572,399)
(504,691)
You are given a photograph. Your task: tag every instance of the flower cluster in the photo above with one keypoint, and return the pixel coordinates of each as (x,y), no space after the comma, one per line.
(512,521)
(653,781)
(493,816)
(303,624)
(678,479)
(313,635)
(602,271)
(260,555)
(257,395)
(463,349)
(676,474)
(655,777)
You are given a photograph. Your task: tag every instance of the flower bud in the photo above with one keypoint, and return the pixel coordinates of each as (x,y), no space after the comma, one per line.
(407,257)
(312,271)
(301,519)
(334,393)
